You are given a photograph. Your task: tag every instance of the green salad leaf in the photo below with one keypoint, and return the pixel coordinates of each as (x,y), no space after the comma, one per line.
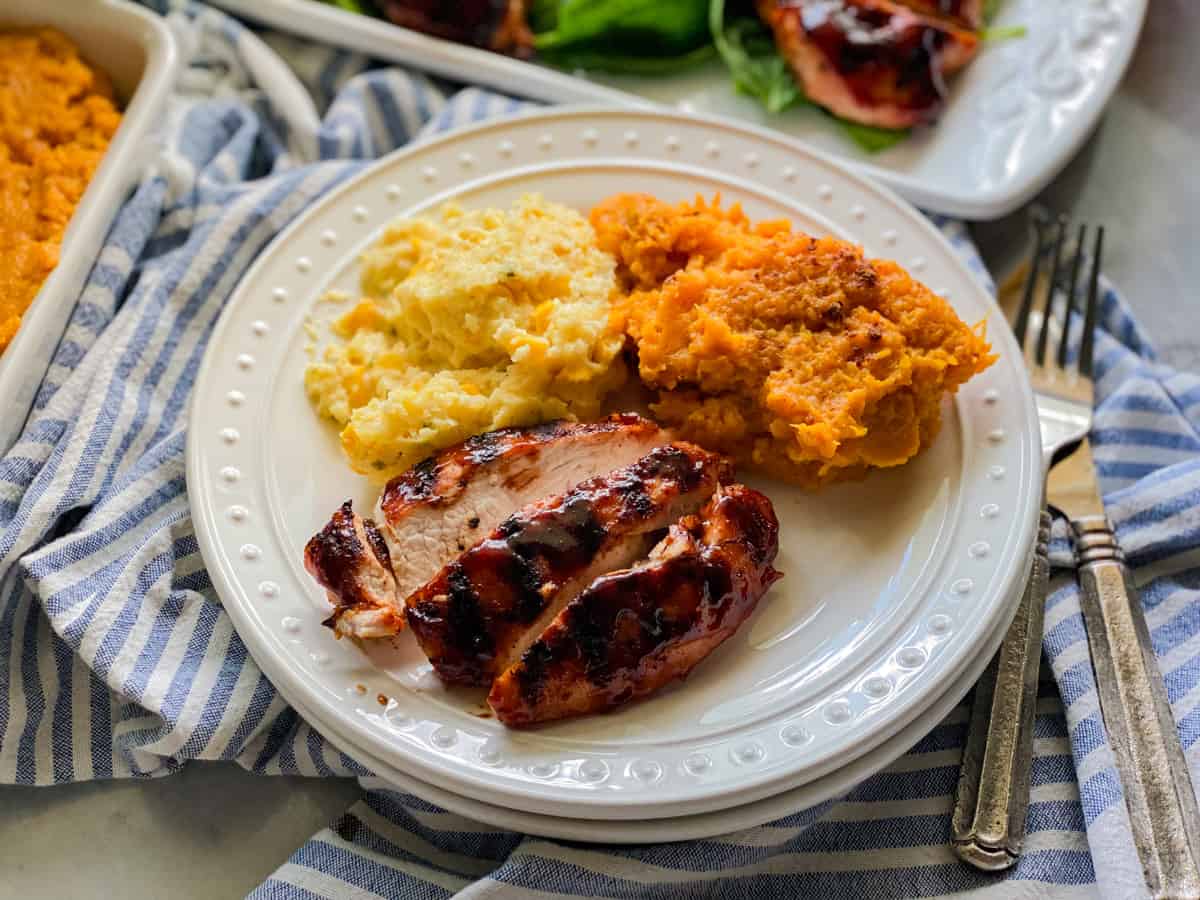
(871,138)
(600,60)
(1003,33)
(542,15)
(748,51)
(661,27)
(644,37)
(354,6)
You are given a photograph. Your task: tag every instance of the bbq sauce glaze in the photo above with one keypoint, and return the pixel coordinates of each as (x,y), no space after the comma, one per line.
(882,55)
(499,587)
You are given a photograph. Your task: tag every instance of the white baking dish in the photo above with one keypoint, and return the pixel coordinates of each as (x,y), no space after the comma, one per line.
(137,51)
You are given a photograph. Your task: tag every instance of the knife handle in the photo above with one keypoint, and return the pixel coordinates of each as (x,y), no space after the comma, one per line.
(1133,700)
(988,825)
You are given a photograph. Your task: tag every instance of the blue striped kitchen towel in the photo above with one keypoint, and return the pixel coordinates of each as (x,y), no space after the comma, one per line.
(117,660)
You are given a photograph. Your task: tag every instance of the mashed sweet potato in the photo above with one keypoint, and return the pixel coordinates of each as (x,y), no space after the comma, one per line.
(57,117)
(795,354)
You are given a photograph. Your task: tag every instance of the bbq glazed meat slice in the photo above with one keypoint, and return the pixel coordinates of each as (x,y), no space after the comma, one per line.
(452,500)
(870,61)
(634,631)
(351,561)
(429,514)
(498,25)
(477,616)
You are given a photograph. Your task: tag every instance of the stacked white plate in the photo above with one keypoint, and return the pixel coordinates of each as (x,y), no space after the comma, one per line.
(896,590)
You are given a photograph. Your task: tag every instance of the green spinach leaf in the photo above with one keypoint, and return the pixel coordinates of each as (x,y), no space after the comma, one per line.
(660,26)
(758,70)
(543,15)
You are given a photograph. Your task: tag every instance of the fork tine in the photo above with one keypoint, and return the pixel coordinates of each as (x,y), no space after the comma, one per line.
(1086,347)
(1073,281)
(1021,323)
(1048,312)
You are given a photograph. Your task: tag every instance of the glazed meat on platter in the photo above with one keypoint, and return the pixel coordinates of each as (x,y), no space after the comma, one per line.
(877,62)
(498,552)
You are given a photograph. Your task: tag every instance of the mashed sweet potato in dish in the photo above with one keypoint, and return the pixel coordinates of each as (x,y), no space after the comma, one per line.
(57,117)
(795,354)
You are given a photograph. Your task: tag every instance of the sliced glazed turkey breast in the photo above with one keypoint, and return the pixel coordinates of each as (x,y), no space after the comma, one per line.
(350,559)
(449,502)
(870,61)
(633,631)
(480,612)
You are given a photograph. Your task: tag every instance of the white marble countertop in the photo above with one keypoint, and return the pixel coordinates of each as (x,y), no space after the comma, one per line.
(216,831)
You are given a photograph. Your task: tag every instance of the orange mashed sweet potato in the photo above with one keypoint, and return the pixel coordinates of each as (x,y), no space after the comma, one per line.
(795,354)
(57,117)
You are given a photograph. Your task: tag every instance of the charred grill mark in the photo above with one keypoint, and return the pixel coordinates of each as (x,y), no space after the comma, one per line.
(533,671)
(669,464)
(538,553)
(440,478)
(526,580)
(593,640)
(467,627)
(620,621)
(635,502)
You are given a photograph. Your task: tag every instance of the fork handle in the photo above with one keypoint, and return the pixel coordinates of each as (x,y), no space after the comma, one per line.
(1133,700)
(988,826)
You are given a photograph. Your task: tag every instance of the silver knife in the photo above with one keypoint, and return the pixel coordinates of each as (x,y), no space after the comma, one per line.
(1158,789)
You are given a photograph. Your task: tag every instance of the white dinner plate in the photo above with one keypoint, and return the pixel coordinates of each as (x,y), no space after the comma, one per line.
(1014,118)
(890,587)
(701,825)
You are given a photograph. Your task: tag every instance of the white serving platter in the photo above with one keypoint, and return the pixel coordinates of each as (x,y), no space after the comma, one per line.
(138,52)
(1015,116)
(892,585)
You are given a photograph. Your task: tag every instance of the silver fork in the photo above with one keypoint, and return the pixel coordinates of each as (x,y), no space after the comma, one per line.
(988,824)
(1160,801)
